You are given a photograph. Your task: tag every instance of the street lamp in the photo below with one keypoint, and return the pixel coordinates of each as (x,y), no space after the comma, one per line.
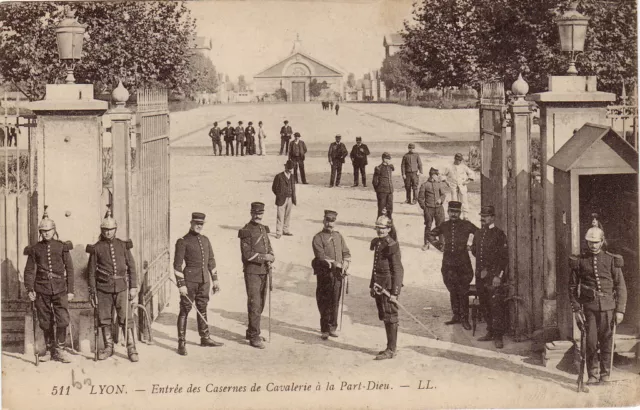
(572,27)
(69,36)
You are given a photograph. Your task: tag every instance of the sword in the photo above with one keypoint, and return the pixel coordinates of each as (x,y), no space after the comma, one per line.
(35,335)
(344,288)
(379,290)
(190,301)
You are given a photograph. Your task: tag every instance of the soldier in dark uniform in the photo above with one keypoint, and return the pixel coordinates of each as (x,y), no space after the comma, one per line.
(411,167)
(383,185)
(490,249)
(358,156)
(257,256)
(48,278)
(229,136)
(239,139)
(337,153)
(215,134)
(388,273)
(457,271)
(250,134)
(194,250)
(285,136)
(113,282)
(332,258)
(598,296)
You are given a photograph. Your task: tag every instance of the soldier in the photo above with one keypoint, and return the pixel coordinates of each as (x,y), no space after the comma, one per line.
(194,249)
(48,278)
(239,139)
(257,256)
(598,296)
(250,135)
(337,108)
(431,197)
(337,153)
(261,137)
(358,156)
(215,134)
(284,188)
(457,271)
(411,166)
(229,135)
(490,249)
(332,258)
(113,282)
(458,176)
(285,137)
(383,184)
(297,151)
(387,273)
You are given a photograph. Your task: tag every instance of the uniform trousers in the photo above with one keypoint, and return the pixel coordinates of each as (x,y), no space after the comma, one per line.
(599,334)
(199,294)
(411,181)
(387,311)
(284,216)
(336,173)
(257,287)
(298,164)
(385,200)
(492,305)
(106,302)
(49,307)
(359,169)
(457,280)
(328,294)
(430,215)
(228,144)
(217,146)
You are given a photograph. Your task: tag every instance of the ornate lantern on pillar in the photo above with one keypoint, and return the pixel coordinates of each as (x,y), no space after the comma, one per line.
(69,37)
(572,27)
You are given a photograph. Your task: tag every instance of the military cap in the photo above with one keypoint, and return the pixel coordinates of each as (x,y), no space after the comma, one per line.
(386,155)
(338,136)
(358,139)
(197,217)
(455,206)
(250,123)
(458,156)
(228,122)
(412,145)
(286,121)
(257,207)
(488,210)
(288,164)
(239,122)
(433,171)
(330,215)
(296,134)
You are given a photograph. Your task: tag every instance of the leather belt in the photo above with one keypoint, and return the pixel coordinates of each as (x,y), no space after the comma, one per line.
(51,275)
(111,275)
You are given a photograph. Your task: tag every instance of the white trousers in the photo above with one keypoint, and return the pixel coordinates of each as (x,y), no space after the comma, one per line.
(284,215)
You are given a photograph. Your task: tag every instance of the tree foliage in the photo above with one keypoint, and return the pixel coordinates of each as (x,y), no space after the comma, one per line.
(351,80)
(141,43)
(242,83)
(205,76)
(315,87)
(397,73)
(467,42)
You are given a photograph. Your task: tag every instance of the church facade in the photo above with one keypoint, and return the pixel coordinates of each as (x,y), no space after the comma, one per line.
(294,74)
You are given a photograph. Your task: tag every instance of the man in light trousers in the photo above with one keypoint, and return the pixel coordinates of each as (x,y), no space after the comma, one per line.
(457,176)
(284,188)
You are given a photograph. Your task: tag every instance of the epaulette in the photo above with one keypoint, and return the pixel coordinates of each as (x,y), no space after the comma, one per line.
(128,244)
(266,229)
(390,241)
(67,246)
(574,261)
(90,248)
(618,260)
(244,233)
(28,250)
(373,244)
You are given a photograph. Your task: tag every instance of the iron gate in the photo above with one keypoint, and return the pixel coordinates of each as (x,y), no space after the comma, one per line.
(151,198)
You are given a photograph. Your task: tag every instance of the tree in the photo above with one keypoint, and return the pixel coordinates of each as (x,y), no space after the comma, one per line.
(204,72)
(141,43)
(315,88)
(398,73)
(280,94)
(242,83)
(351,80)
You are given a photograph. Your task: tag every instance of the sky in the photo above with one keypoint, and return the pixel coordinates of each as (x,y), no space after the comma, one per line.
(249,36)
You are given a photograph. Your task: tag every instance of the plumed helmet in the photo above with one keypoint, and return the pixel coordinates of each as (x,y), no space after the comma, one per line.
(594,234)
(108,222)
(46,223)
(383,222)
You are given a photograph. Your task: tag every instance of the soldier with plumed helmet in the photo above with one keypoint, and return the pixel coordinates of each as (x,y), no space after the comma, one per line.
(113,282)
(387,275)
(598,296)
(48,278)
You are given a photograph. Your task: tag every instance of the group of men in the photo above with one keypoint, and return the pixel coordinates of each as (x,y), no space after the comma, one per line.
(245,139)
(328,105)
(8,135)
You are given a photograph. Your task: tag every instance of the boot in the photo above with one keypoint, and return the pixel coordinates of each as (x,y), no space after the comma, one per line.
(58,353)
(182,334)
(486,338)
(465,323)
(48,341)
(131,346)
(107,352)
(455,319)
(392,337)
(203,329)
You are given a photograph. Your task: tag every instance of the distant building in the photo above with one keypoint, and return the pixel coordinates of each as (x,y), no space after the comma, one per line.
(392,43)
(294,73)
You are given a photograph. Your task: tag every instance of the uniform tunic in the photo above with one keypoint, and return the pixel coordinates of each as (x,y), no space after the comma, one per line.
(431,197)
(254,247)
(49,273)
(329,249)
(388,273)
(383,185)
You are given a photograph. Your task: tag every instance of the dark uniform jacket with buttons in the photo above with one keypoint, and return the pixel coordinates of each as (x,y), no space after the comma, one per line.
(597,282)
(49,268)
(329,249)
(196,252)
(111,265)
(387,265)
(491,252)
(382,181)
(254,247)
(456,238)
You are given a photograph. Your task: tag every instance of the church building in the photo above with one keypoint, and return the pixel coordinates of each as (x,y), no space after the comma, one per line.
(294,73)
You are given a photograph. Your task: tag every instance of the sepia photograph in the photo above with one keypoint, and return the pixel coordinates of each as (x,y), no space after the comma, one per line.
(319,204)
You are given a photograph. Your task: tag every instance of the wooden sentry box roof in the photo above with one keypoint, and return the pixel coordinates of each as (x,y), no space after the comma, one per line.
(595,145)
